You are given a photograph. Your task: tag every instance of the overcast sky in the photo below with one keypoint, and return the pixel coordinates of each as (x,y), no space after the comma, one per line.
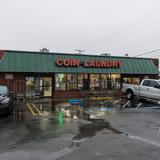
(98,26)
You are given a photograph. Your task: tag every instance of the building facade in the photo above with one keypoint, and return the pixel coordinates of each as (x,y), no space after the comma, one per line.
(61,75)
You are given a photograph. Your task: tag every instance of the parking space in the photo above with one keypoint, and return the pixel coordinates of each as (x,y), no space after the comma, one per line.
(43,125)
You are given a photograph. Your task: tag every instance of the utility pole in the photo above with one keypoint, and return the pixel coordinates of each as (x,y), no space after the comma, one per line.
(80,51)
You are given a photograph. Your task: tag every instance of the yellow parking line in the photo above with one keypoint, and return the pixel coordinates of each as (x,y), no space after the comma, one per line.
(37,109)
(31,110)
(101,98)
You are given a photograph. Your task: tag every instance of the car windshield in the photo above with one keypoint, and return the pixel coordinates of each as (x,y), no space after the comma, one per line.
(3,90)
(159,81)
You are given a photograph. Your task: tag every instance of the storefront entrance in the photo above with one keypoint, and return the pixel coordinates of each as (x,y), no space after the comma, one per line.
(86,84)
(41,86)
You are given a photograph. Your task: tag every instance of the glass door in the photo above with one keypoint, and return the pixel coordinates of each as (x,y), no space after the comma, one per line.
(46,86)
(41,86)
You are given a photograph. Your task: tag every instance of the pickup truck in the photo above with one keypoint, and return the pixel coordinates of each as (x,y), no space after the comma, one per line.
(148,89)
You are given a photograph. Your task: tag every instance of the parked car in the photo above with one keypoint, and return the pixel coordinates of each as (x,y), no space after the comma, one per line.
(148,89)
(6,102)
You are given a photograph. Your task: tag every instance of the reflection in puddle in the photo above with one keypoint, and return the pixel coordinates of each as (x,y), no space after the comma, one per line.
(18,113)
(60,117)
(97,107)
(45,106)
(18,116)
(85,112)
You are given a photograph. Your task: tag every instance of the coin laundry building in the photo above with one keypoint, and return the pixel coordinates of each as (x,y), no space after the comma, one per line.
(62,75)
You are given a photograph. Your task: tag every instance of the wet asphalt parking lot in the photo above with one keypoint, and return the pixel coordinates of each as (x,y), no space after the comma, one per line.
(41,130)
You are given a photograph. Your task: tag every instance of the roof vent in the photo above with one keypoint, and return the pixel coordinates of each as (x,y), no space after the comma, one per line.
(80,51)
(44,50)
(105,54)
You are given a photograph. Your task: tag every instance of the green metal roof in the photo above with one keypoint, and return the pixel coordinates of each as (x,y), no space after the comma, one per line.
(21,61)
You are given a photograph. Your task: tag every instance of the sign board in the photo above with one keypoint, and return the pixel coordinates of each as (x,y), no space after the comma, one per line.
(146,77)
(8,76)
(89,64)
(71,78)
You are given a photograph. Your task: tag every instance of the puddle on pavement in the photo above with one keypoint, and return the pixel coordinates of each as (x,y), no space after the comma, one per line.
(22,115)
(41,128)
(90,129)
(45,105)
(18,114)
(114,105)
(96,125)
(15,118)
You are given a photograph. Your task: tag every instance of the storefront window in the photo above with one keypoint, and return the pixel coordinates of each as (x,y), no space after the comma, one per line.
(116,81)
(94,81)
(104,81)
(60,80)
(136,81)
(133,80)
(71,81)
(46,85)
(30,87)
(33,85)
(127,80)
(41,86)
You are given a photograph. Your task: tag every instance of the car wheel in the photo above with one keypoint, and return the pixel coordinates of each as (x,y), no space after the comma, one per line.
(129,94)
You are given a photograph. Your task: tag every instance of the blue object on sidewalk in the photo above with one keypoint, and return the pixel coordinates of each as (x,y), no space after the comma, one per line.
(75,102)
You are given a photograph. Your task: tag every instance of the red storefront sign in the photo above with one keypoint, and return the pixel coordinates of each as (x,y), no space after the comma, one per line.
(68,62)
(92,63)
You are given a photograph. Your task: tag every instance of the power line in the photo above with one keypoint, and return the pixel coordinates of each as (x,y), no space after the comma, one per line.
(150,52)
(131,28)
(154,55)
(138,23)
